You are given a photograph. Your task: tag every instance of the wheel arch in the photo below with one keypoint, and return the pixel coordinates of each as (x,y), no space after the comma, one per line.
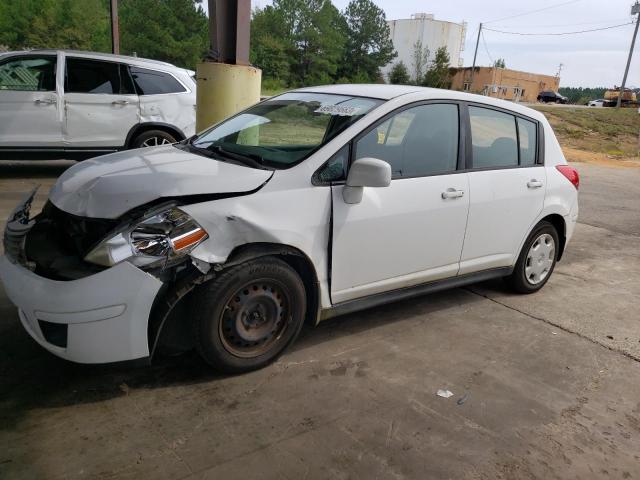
(559,224)
(146,126)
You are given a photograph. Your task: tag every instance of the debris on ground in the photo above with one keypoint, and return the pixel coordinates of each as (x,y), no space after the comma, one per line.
(444,393)
(463,399)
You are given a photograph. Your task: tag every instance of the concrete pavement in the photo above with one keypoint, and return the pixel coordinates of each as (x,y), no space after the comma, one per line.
(545,386)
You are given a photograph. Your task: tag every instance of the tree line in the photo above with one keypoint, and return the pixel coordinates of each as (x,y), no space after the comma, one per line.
(171,30)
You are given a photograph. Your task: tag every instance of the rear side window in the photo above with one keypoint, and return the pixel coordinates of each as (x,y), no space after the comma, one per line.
(29,74)
(416,142)
(152,82)
(528,140)
(97,77)
(494,138)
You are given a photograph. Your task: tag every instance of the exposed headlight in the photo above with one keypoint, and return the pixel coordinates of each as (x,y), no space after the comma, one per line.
(161,237)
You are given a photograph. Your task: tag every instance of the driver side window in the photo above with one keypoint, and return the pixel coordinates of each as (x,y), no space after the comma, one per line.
(416,142)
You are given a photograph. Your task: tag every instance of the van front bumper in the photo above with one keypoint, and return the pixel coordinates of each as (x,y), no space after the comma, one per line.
(101,318)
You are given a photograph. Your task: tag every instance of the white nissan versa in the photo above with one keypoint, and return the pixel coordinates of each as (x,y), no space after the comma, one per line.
(311,204)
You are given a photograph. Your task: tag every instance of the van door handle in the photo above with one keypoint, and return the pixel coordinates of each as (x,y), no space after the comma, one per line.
(45,101)
(120,102)
(533,183)
(452,193)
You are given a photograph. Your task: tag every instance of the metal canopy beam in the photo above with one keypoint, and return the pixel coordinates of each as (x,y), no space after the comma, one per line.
(229,30)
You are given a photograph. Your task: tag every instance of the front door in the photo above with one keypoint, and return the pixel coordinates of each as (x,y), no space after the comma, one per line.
(507,186)
(101,105)
(412,231)
(30,107)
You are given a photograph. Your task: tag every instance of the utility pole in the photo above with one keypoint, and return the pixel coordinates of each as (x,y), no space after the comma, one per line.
(635,10)
(475,54)
(115,29)
(559,70)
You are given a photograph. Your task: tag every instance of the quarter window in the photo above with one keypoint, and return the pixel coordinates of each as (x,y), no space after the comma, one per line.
(528,141)
(29,74)
(494,138)
(94,76)
(152,82)
(419,141)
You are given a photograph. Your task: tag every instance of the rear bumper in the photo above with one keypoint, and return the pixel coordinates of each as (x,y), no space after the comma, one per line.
(106,315)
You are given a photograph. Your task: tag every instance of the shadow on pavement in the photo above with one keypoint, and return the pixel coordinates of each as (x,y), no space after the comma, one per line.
(33,168)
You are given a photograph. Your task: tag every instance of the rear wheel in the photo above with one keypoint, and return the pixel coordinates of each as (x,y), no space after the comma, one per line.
(246,317)
(536,260)
(153,138)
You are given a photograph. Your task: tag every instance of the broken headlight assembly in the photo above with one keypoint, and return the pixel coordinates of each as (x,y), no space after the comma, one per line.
(159,238)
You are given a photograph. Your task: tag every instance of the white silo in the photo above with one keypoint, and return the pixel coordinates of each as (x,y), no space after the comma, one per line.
(433,34)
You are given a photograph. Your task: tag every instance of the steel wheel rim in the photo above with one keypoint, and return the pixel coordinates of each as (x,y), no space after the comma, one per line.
(540,258)
(255,318)
(155,141)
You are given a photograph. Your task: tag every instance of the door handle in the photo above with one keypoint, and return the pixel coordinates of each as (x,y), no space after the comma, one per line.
(45,101)
(533,183)
(120,102)
(452,193)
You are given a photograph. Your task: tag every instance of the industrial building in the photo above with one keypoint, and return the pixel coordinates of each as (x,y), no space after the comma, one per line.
(433,34)
(503,83)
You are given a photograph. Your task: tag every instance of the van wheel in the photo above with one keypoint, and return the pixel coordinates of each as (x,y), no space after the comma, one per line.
(246,317)
(536,261)
(153,138)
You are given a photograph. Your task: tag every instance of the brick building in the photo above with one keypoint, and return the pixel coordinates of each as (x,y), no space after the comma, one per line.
(503,83)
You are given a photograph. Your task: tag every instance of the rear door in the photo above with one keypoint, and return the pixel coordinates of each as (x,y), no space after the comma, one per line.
(507,184)
(101,105)
(30,106)
(412,231)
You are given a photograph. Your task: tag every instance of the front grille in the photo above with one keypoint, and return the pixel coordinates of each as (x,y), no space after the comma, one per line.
(57,243)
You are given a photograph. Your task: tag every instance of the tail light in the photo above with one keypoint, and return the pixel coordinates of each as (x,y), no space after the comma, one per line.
(570,174)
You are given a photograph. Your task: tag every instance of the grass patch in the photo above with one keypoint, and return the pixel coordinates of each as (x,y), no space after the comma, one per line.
(605,130)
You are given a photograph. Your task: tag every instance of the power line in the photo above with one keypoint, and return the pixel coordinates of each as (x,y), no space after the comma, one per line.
(561,33)
(484,42)
(600,22)
(533,11)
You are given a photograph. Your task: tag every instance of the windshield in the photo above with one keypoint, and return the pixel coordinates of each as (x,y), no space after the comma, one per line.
(286,129)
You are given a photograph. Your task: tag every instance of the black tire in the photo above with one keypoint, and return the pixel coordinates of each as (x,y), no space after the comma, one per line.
(248,315)
(519,281)
(152,138)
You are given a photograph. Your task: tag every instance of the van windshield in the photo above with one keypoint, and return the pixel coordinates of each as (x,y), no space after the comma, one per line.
(283,131)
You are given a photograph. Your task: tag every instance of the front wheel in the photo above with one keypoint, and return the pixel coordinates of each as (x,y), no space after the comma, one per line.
(247,316)
(536,260)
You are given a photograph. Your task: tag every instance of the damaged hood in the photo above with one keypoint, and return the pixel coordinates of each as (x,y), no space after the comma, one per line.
(108,186)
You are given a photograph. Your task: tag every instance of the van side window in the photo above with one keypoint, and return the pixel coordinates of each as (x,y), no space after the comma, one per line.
(29,74)
(416,142)
(528,140)
(494,138)
(93,76)
(152,82)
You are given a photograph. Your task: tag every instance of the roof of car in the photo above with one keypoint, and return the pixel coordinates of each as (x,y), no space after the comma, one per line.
(374,90)
(102,55)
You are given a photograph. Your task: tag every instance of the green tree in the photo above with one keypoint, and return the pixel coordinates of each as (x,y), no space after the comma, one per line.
(399,74)
(438,75)
(368,45)
(420,61)
(499,63)
(271,45)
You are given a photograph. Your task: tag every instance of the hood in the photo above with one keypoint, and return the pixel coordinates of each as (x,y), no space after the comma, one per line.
(108,186)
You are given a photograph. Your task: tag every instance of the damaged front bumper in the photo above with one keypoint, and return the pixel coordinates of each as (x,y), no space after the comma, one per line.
(100,318)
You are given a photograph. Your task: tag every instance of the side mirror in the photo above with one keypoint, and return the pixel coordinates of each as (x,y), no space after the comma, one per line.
(365,172)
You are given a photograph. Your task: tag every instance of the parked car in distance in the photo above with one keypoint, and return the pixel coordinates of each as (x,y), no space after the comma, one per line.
(549,96)
(601,102)
(314,203)
(75,104)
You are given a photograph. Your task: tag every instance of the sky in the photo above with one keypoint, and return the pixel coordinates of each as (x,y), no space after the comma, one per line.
(589,59)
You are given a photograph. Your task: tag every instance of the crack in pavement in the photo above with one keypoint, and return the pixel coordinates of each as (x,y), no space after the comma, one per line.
(556,325)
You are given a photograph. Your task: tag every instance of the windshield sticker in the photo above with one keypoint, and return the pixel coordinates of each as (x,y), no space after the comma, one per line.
(340,110)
